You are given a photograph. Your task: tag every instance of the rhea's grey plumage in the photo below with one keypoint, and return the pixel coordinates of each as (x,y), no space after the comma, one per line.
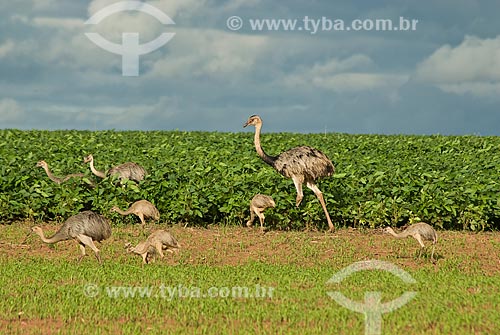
(128,170)
(420,231)
(302,164)
(85,227)
(142,208)
(304,161)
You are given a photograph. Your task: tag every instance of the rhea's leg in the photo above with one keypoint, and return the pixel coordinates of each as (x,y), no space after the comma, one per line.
(86,240)
(261,219)
(318,193)
(419,239)
(298,185)
(252,216)
(82,251)
(159,246)
(143,223)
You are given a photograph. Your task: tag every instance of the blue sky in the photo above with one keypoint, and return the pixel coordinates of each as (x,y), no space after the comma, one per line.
(442,78)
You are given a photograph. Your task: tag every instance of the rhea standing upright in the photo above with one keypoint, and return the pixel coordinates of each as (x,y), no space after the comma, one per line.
(302,164)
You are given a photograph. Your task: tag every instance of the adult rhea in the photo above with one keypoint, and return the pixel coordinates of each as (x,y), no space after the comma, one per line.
(302,164)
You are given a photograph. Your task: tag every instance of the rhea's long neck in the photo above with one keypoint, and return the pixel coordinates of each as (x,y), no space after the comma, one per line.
(119,211)
(265,157)
(50,175)
(56,238)
(400,235)
(96,172)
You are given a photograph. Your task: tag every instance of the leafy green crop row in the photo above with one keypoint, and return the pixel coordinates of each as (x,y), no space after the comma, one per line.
(200,178)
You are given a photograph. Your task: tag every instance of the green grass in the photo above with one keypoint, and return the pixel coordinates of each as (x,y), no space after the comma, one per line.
(44,289)
(40,294)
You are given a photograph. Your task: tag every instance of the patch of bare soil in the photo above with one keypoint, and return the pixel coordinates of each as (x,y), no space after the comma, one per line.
(32,326)
(238,245)
(220,246)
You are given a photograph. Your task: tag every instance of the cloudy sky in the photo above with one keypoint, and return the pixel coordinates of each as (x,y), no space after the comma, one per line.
(442,78)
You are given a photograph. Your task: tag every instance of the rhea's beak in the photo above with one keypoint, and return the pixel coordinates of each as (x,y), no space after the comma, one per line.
(246,124)
(27,235)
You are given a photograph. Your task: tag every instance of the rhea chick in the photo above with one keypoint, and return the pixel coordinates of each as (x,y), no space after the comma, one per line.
(420,231)
(258,205)
(158,241)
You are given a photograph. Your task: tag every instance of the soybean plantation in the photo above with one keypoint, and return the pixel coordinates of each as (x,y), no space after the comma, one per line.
(202,178)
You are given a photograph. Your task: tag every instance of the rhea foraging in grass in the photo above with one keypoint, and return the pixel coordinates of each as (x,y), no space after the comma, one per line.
(419,231)
(84,227)
(302,164)
(128,170)
(142,208)
(258,205)
(156,242)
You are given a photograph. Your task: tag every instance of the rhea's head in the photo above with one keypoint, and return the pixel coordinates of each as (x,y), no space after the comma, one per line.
(253,120)
(36,230)
(87,159)
(388,230)
(41,163)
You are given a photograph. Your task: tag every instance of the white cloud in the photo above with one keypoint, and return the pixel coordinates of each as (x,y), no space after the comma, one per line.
(352,82)
(115,25)
(478,88)
(109,116)
(233,5)
(335,65)
(197,52)
(59,23)
(351,74)
(471,67)
(10,111)
(17,19)
(59,44)
(6,48)
(170,7)
(44,4)
(73,51)
(145,25)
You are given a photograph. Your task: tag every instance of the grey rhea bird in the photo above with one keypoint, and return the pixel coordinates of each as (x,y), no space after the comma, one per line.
(142,208)
(85,227)
(258,205)
(302,164)
(421,232)
(156,242)
(128,170)
(58,180)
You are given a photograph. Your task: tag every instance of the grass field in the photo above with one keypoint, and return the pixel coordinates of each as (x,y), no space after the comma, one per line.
(44,290)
